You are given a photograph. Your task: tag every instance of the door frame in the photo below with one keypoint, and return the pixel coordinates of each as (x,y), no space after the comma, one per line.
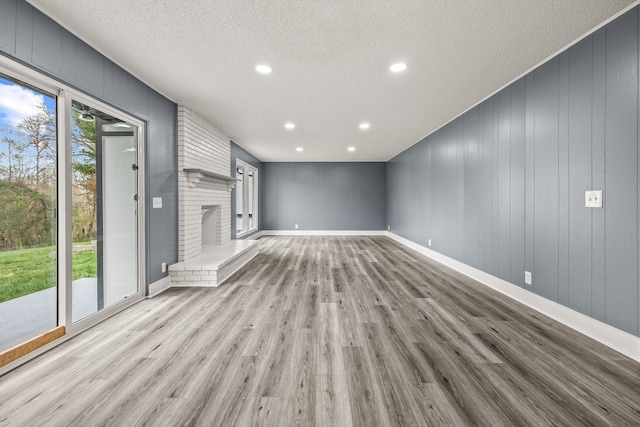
(64,95)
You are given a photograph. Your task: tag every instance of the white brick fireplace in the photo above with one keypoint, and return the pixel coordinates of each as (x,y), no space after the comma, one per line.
(206,255)
(205,186)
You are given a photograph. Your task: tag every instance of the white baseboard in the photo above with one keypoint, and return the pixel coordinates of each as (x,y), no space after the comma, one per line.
(323,233)
(621,341)
(159,286)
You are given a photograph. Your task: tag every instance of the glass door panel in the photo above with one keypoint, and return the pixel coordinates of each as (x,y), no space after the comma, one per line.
(28,192)
(104,205)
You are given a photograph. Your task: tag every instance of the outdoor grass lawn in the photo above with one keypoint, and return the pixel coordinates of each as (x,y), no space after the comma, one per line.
(30,270)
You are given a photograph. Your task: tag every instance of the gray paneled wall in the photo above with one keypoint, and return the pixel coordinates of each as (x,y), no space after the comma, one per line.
(37,41)
(324,196)
(238,152)
(502,187)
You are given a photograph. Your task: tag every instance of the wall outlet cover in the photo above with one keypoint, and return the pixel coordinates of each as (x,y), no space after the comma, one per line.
(593,199)
(164,267)
(527,277)
(157,202)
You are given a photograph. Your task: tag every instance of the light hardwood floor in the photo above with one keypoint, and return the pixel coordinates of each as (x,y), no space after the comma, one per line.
(327,331)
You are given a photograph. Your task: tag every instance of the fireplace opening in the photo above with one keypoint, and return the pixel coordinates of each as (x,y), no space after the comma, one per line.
(211,225)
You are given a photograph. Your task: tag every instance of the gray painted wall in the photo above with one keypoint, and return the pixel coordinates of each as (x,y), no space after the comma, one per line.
(501,188)
(37,41)
(324,196)
(238,152)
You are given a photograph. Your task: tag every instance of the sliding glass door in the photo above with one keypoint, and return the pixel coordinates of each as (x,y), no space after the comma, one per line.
(105,210)
(71,211)
(28,200)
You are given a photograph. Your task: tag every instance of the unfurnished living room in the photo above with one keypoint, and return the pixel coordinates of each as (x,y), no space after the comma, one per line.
(320,213)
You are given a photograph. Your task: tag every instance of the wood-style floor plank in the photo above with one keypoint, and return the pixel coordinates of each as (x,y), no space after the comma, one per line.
(327,331)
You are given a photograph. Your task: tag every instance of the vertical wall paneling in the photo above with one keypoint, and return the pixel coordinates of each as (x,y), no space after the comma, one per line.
(472,212)
(517,180)
(569,126)
(529,168)
(503,193)
(563,178)
(545,271)
(8,26)
(458,194)
(638,166)
(495,147)
(116,83)
(24,31)
(487,190)
(69,56)
(427,206)
(598,157)
(162,181)
(580,235)
(46,43)
(621,173)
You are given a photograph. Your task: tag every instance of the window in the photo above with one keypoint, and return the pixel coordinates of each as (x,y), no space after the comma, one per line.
(246,198)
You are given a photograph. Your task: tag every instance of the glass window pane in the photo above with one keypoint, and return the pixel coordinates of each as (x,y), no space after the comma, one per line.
(28,191)
(239,200)
(250,200)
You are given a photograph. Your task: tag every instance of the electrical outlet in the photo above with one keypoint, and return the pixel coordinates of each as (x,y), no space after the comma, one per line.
(157,203)
(429,242)
(164,267)
(593,199)
(296,226)
(527,277)
(388,227)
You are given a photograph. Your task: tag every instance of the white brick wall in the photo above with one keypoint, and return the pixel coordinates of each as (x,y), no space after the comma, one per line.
(201,146)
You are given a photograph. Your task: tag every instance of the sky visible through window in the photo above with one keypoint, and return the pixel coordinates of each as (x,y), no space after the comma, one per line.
(18,103)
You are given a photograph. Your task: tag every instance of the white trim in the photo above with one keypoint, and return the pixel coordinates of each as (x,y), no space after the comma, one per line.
(159,286)
(621,341)
(321,233)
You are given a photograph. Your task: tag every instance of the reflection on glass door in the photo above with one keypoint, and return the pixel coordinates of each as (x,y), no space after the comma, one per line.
(104,204)
(28,184)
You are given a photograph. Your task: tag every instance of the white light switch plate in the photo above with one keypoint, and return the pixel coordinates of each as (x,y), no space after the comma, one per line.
(593,199)
(157,202)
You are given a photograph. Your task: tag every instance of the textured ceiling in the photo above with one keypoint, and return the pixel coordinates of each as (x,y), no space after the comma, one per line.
(330,62)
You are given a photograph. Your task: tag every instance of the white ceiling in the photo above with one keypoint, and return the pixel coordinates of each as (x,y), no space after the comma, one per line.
(330,61)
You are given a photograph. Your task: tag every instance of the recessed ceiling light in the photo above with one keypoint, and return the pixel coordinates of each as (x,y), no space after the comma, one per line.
(289,125)
(364,125)
(299,149)
(400,66)
(263,69)
(351,149)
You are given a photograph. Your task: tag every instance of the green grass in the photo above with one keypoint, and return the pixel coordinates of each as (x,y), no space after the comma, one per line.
(30,270)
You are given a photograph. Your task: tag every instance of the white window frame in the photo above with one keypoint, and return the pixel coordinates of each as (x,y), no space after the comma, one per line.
(247,168)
